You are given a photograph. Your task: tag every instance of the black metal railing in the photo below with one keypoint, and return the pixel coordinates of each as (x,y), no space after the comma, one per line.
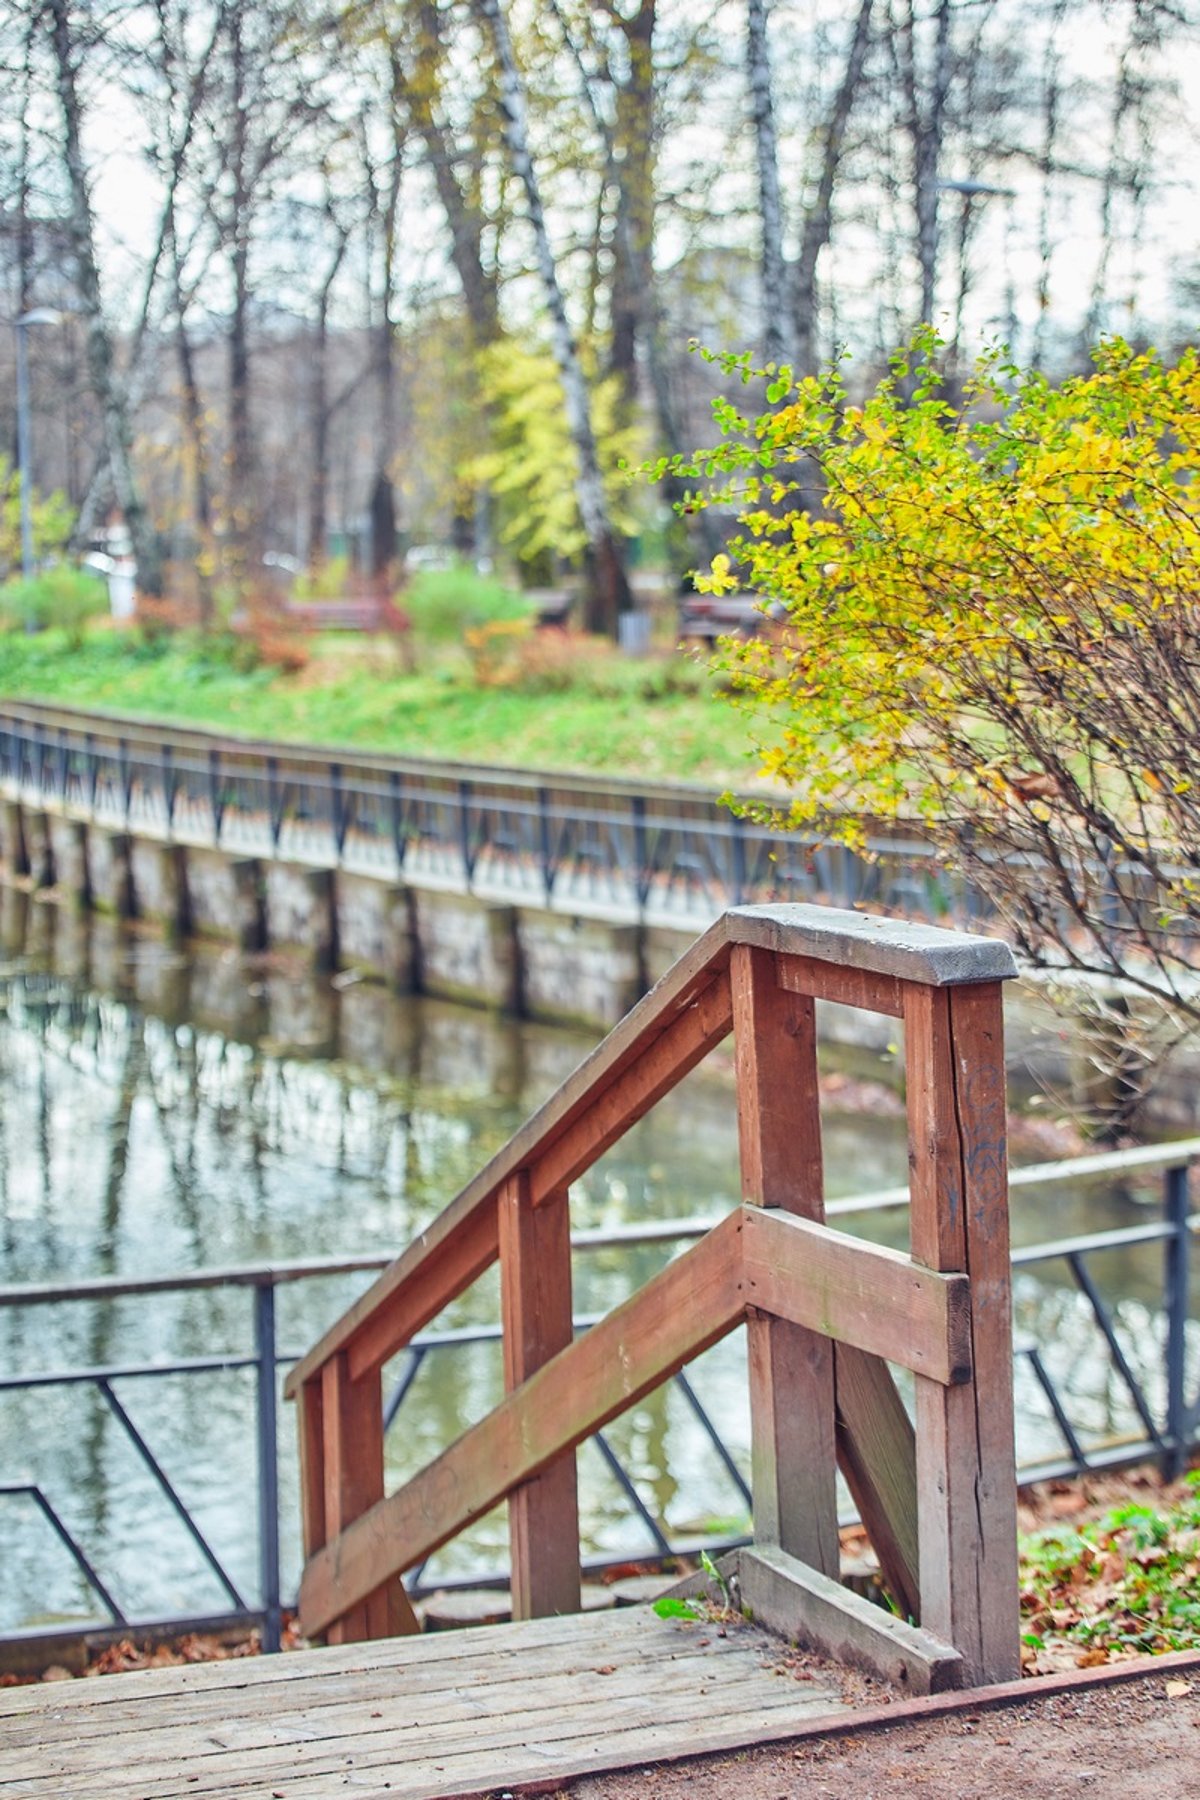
(572,842)
(1150,1383)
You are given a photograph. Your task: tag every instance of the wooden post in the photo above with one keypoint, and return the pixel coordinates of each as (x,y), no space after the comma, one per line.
(351,1431)
(966,1478)
(877,1454)
(535,1304)
(793,1456)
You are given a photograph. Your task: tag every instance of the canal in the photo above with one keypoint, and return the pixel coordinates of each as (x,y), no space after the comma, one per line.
(164,1112)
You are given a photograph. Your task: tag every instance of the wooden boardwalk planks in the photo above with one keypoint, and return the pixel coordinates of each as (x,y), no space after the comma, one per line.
(403,1719)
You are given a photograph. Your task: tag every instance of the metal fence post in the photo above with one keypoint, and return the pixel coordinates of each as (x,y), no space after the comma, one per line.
(464,832)
(337,809)
(641,855)
(739,859)
(396,815)
(268,1465)
(545,855)
(1177,1207)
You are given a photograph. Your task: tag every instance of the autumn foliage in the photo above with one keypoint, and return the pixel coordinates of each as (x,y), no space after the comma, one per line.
(991,630)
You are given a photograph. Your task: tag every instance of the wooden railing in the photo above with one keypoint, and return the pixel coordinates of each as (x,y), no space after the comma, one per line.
(826,1312)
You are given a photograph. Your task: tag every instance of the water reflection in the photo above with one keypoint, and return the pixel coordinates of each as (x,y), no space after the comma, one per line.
(162,1113)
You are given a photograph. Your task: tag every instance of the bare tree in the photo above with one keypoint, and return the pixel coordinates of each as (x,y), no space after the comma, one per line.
(925,98)
(68,46)
(818,220)
(608,586)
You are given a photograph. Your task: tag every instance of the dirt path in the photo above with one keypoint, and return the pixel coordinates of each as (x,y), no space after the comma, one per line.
(1136,1737)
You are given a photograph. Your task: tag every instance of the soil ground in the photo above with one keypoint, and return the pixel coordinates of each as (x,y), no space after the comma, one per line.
(1137,1737)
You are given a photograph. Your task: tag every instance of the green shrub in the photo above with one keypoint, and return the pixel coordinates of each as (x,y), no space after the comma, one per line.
(62,597)
(329,582)
(444,604)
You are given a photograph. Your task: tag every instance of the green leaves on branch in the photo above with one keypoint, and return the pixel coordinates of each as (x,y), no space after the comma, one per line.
(51,516)
(530,464)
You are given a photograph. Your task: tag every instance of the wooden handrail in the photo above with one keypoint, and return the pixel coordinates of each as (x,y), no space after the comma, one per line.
(827,1313)
(669,1031)
(666,1034)
(858,1294)
(689,1305)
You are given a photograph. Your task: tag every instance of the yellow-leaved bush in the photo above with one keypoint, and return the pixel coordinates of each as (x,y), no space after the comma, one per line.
(989,626)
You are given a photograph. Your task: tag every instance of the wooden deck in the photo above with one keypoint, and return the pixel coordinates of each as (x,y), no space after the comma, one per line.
(460,1713)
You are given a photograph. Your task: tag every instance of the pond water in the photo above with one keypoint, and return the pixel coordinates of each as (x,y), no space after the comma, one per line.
(162,1112)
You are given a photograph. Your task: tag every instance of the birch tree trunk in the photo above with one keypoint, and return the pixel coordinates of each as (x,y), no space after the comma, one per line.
(105,379)
(770,199)
(608,587)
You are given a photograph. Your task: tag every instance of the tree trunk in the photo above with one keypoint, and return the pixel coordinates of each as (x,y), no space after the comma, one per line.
(320,413)
(630,160)
(193,422)
(926,126)
(420,90)
(819,222)
(105,380)
(243,473)
(770,199)
(608,587)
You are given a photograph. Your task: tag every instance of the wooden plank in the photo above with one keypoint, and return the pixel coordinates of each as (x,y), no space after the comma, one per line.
(453,1263)
(352,1425)
(877,1452)
(793,1458)
(805,1606)
(535,1308)
(351,1662)
(310,1426)
(859,1293)
(322,1698)
(959,1221)
(659,1067)
(435,1268)
(680,1312)
(678,990)
(896,948)
(404,1725)
(843,986)
(528,1746)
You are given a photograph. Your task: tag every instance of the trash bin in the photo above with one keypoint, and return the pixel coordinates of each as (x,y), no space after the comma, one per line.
(633,633)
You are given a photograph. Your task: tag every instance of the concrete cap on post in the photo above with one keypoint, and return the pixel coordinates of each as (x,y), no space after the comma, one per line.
(854,940)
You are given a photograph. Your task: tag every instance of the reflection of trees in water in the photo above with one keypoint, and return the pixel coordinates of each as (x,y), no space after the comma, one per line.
(1060,1320)
(137,1140)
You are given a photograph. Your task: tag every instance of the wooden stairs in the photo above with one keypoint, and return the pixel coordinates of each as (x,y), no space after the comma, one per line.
(387,1713)
(827,1313)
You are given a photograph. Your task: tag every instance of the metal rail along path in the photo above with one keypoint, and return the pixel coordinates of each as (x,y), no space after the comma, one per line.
(576,843)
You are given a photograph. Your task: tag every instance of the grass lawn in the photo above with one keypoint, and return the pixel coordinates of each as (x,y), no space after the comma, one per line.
(568,705)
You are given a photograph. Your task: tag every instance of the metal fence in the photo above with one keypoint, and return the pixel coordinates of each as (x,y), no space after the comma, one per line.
(569,842)
(1153,1377)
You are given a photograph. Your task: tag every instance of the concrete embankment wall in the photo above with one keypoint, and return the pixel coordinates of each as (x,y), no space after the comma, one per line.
(519,959)
(516,958)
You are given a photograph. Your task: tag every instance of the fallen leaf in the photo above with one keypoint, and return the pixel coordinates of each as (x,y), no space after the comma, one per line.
(1177,1689)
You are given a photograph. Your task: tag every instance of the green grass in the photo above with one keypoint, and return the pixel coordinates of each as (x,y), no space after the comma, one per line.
(659,718)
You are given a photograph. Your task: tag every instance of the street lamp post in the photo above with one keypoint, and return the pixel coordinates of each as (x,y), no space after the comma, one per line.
(41,315)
